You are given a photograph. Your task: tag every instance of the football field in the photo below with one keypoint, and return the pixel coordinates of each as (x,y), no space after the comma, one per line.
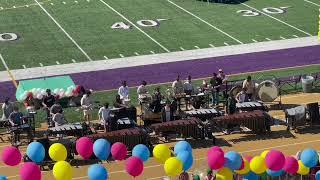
(35,33)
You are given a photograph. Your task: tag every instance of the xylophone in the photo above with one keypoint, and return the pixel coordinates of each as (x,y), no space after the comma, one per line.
(203,114)
(257,121)
(129,137)
(186,127)
(250,106)
(75,129)
(125,123)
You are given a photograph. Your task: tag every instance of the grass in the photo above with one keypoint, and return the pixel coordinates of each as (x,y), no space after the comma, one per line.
(89,24)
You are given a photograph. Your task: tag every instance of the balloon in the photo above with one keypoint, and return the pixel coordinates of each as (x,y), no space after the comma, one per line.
(245,169)
(58,152)
(224,174)
(309,157)
(56,91)
(291,165)
(39,96)
(233,160)
(84,147)
(249,158)
(2,177)
(141,151)
(33,90)
(317,176)
(258,165)
(97,172)
(215,148)
(173,166)
(216,160)
(134,166)
(186,158)
(264,153)
(161,152)
(62,170)
(11,156)
(251,176)
(30,171)
(101,149)
(275,160)
(119,151)
(43,92)
(68,93)
(303,170)
(61,94)
(274,173)
(36,152)
(182,146)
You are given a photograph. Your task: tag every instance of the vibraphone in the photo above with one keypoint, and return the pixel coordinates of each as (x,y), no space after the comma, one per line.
(250,106)
(75,129)
(203,114)
(257,121)
(186,127)
(130,137)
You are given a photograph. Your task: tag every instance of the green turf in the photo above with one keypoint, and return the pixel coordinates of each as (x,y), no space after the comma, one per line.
(89,24)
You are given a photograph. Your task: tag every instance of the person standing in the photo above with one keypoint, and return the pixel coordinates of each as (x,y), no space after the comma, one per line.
(215,83)
(188,86)
(123,91)
(142,89)
(104,116)
(47,102)
(231,104)
(7,109)
(249,86)
(86,104)
(177,86)
(16,119)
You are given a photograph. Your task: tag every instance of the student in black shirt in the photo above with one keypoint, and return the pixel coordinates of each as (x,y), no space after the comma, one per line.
(47,102)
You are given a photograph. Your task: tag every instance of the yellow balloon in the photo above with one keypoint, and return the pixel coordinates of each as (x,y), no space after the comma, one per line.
(173,166)
(245,169)
(258,165)
(303,170)
(264,154)
(58,152)
(161,152)
(224,174)
(62,170)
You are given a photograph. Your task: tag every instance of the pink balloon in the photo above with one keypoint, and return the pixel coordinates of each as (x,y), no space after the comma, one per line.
(134,166)
(275,160)
(215,148)
(11,156)
(291,165)
(119,151)
(30,171)
(216,160)
(248,158)
(84,147)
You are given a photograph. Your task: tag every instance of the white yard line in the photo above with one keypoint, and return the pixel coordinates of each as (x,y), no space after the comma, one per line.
(152,52)
(74,61)
(268,39)
(254,40)
(150,59)
(226,44)
(4,63)
(8,72)
(211,45)
(121,55)
(65,32)
(204,21)
(197,47)
(312,3)
(134,25)
(106,57)
(276,19)
(136,53)
(295,36)
(282,37)
(182,49)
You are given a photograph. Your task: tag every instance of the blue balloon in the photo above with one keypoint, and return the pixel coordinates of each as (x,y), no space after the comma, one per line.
(251,176)
(233,160)
(309,158)
(186,158)
(274,173)
(101,149)
(317,175)
(182,146)
(141,151)
(36,152)
(2,177)
(97,172)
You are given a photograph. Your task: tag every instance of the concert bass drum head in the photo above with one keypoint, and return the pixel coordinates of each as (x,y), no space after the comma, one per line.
(267,91)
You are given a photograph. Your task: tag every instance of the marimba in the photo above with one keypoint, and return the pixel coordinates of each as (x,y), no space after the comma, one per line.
(125,123)
(203,114)
(257,121)
(75,129)
(186,127)
(130,137)
(250,106)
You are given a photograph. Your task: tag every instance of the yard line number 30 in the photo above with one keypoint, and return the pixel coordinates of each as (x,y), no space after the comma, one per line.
(269,10)
(141,23)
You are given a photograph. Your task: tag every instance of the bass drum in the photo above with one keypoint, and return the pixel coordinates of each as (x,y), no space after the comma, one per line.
(235,90)
(267,91)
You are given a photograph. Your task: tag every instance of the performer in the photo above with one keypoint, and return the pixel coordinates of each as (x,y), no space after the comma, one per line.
(215,83)
(58,119)
(56,108)
(142,89)
(7,109)
(177,86)
(155,105)
(222,76)
(47,102)
(124,90)
(29,103)
(16,119)
(118,102)
(105,116)
(86,105)
(242,96)
(167,113)
(188,86)
(231,104)
(249,85)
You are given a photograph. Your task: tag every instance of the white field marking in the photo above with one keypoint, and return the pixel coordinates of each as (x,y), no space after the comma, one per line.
(226,44)
(24,66)
(182,49)
(65,32)
(1,8)
(27,5)
(254,40)
(76,2)
(74,61)
(4,63)
(52,4)
(198,159)
(205,22)
(121,55)
(106,57)
(312,3)
(197,47)
(88,0)
(152,52)
(58,62)
(14,7)
(277,19)
(211,45)
(295,36)
(64,2)
(137,54)
(41,64)
(134,25)
(268,39)
(285,7)
(282,37)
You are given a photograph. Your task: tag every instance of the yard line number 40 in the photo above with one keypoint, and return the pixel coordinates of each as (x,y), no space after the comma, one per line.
(142,23)
(269,10)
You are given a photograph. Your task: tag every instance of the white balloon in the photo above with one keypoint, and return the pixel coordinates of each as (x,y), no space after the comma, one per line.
(68,93)
(33,90)
(43,92)
(61,94)
(56,91)
(39,96)
(61,90)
